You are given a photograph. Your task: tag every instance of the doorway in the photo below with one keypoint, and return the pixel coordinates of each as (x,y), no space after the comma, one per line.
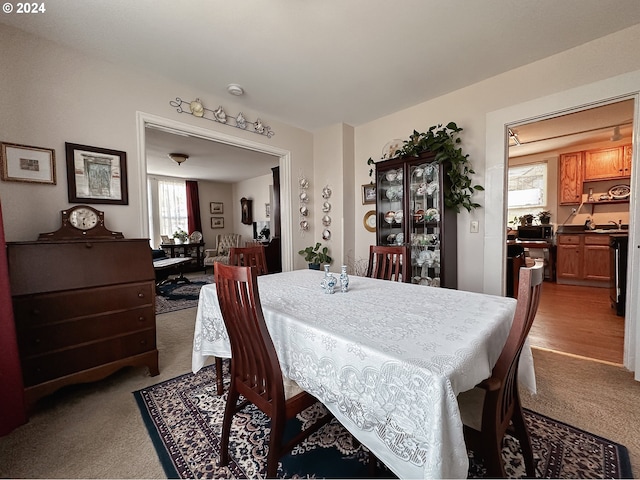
(145,120)
(575,314)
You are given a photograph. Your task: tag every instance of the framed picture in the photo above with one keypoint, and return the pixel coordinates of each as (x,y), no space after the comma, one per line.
(247,212)
(368,193)
(166,240)
(216,207)
(267,210)
(217,222)
(22,163)
(96,175)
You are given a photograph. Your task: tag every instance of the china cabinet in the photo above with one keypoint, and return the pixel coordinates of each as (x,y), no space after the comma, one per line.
(410,211)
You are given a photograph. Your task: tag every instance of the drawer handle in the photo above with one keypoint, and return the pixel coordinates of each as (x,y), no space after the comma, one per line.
(140,295)
(143,342)
(141,319)
(88,245)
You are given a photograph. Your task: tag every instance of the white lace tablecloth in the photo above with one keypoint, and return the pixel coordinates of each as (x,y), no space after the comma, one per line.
(388,359)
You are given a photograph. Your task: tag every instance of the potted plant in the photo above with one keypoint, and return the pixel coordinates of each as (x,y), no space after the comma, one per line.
(444,142)
(180,235)
(544,217)
(316,256)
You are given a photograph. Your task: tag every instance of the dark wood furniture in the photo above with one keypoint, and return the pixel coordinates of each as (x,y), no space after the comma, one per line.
(389,263)
(83,309)
(250,256)
(488,410)
(411,211)
(193,251)
(255,369)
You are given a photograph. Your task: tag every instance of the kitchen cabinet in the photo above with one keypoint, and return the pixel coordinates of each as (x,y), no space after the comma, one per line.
(605,163)
(570,178)
(583,259)
(410,211)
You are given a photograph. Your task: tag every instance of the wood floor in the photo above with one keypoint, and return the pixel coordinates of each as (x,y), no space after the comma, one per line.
(579,321)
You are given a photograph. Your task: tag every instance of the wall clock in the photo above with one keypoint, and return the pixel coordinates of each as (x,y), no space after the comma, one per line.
(80,222)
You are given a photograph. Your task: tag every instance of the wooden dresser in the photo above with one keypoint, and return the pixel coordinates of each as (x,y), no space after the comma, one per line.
(83,310)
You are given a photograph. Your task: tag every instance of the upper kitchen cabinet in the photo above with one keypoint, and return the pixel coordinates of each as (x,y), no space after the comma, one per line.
(570,178)
(606,163)
(410,210)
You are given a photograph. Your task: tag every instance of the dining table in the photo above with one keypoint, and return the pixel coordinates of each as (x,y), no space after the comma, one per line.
(388,359)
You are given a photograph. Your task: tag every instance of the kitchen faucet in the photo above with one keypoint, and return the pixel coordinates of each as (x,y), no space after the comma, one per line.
(617,224)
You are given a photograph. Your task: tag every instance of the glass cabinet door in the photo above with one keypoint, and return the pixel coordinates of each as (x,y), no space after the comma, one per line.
(425,224)
(390,210)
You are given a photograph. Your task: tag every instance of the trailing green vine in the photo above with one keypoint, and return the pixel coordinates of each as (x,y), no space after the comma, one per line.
(443,141)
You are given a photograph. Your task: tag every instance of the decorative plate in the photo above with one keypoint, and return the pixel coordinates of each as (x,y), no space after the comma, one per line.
(326,207)
(391,175)
(196,237)
(304,183)
(390,149)
(304,211)
(326,234)
(620,192)
(304,225)
(326,220)
(369,220)
(326,192)
(304,198)
(390,216)
(432,215)
(399,215)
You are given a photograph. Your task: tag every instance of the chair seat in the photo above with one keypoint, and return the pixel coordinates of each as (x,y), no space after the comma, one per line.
(291,388)
(471,403)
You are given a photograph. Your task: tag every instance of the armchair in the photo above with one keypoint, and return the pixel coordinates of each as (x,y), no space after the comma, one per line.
(224,242)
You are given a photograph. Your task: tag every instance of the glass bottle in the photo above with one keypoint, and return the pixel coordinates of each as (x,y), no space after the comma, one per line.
(344,279)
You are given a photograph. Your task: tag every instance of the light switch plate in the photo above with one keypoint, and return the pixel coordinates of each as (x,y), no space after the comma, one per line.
(475,226)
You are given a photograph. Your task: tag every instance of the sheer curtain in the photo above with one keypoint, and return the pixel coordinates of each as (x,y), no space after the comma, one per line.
(172,206)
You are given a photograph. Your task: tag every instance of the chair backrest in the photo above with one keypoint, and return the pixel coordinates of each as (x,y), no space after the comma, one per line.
(224,242)
(503,399)
(249,257)
(255,367)
(252,243)
(389,262)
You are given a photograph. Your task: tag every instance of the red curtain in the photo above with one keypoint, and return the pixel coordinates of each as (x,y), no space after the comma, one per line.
(193,207)
(11,387)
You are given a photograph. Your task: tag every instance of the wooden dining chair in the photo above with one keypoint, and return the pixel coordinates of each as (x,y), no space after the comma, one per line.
(493,407)
(250,256)
(255,369)
(253,256)
(389,262)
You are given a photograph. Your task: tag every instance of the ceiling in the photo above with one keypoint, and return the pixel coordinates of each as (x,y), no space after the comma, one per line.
(310,63)
(587,126)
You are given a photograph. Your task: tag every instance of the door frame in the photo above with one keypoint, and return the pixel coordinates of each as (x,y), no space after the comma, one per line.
(613,89)
(286,224)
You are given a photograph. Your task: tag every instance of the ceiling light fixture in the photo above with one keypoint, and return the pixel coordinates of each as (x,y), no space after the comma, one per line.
(514,136)
(179,158)
(616,134)
(235,89)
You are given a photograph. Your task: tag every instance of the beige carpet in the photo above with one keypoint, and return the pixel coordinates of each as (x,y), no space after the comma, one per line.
(96,431)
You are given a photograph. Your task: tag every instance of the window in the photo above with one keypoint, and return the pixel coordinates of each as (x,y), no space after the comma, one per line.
(527,190)
(172,206)
(527,186)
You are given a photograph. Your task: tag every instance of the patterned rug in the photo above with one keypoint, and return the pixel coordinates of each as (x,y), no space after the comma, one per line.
(178,296)
(184,416)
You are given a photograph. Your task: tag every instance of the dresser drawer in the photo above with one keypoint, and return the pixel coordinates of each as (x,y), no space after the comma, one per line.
(41,368)
(38,338)
(54,307)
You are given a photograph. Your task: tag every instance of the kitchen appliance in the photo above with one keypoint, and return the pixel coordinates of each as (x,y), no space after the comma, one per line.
(535,232)
(619,244)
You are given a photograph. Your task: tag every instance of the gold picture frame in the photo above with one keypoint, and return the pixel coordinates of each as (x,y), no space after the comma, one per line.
(24,163)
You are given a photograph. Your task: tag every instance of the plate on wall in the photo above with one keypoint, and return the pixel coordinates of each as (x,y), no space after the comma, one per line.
(619,192)
(369,220)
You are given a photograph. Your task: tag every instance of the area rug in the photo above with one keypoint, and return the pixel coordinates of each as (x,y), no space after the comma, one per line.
(184,416)
(178,296)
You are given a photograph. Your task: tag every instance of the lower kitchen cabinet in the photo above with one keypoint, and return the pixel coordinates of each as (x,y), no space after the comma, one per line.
(583,259)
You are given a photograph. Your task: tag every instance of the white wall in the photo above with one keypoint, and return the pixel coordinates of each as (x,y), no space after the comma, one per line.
(257,190)
(601,59)
(51,95)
